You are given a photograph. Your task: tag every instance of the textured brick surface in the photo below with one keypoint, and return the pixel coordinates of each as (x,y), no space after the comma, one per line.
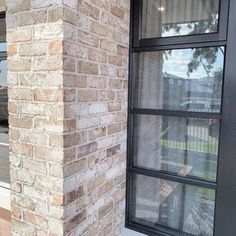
(67,75)
(101,58)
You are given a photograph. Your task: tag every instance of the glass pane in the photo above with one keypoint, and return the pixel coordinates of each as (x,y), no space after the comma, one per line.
(4,152)
(183,79)
(3,35)
(182,207)
(183,146)
(166,18)
(2,30)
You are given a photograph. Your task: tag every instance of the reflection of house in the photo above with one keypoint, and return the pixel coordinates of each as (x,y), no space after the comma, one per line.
(191,94)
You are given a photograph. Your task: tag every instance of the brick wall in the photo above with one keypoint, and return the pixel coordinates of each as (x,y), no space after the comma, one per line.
(36,116)
(67,76)
(96,58)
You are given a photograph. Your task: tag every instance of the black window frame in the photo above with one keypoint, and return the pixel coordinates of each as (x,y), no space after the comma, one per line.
(225,185)
(220,35)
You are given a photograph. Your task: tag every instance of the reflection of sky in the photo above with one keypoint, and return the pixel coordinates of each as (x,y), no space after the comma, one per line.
(185,30)
(3,47)
(3,72)
(178,60)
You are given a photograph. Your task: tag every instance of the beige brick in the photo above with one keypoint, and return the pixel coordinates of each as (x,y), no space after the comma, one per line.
(55,14)
(87,95)
(97,55)
(113,150)
(75,167)
(20,93)
(97,133)
(11,50)
(19,65)
(18,6)
(88,39)
(95,108)
(105,210)
(73,195)
(106,229)
(115,128)
(48,64)
(69,65)
(88,9)
(31,18)
(71,80)
(104,4)
(70,3)
(48,95)
(55,47)
(99,29)
(19,35)
(95,182)
(87,149)
(40,3)
(117,11)
(23,122)
(71,17)
(106,187)
(49,154)
(114,106)
(87,68)
(52,31)
(33,49)
(76,220)
(108,45)
(35,219)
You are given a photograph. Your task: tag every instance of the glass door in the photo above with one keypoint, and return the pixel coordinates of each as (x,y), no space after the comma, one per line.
(176,114)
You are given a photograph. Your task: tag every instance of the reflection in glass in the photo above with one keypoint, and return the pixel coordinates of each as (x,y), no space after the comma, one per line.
(3,46)
(183,146)
(4,152)
(2,30)
(178,206)
(166,18)
(182,79)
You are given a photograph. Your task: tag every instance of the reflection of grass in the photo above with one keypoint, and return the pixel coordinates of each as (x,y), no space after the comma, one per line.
(207,193)
(197,146)
(210,176)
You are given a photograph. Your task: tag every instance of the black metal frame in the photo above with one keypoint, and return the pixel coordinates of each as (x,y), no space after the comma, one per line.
(225,186)
(137,41)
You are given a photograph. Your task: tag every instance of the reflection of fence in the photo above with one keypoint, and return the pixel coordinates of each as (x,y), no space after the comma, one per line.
(197,135)
(196,146)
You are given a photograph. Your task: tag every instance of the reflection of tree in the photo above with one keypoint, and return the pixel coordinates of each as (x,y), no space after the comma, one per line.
(199,26)
(205,57)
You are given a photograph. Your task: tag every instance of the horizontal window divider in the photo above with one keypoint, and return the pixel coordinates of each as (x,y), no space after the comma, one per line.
(2,15)
(184,39)
(173,177)
(187,114)
(3,56)
(177,46)
(151,229)
(142,228)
